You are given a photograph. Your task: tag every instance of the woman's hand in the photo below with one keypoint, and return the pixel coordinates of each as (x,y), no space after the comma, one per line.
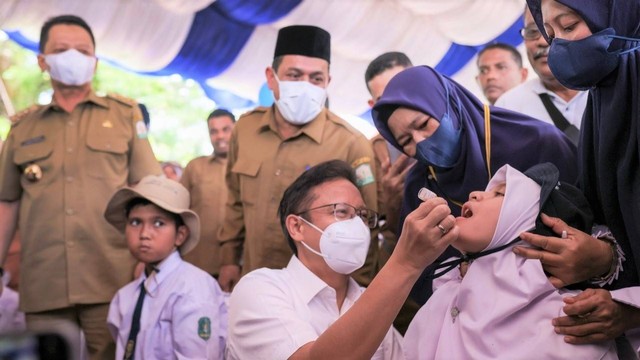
(570,260)
(593,316)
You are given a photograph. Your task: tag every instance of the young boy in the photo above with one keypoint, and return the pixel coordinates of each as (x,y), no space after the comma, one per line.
(173,310)
(504,305)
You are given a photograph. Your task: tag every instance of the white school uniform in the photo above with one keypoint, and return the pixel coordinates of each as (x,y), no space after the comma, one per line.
(183,314)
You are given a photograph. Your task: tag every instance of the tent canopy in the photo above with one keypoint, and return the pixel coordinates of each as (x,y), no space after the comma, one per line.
(225,45)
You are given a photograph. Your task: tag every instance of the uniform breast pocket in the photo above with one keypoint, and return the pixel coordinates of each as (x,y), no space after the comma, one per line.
(36,163)
(247,172)
(106,155)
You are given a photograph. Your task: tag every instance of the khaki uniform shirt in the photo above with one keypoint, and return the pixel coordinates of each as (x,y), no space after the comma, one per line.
(70,254)
(261,166)
(204,178)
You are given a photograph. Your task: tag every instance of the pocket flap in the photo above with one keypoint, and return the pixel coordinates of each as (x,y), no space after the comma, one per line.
(244,167)
(107,144)
(32,153)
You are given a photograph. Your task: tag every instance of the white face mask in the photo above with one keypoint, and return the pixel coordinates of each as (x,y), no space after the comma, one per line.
(71,67)
(300,101)
(343,244)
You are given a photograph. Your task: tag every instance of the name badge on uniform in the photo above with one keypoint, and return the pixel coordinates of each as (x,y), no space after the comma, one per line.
(33,173)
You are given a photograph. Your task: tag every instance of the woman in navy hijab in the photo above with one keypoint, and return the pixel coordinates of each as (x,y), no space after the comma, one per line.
(460,142)
(595,45)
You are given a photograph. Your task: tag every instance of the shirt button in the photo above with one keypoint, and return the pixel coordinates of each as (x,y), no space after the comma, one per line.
(69,150)
(70,243)
(69,211)
(278,172)
(69,178)
(70,123)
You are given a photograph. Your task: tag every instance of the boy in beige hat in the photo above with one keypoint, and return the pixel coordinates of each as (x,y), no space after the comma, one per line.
(174,309)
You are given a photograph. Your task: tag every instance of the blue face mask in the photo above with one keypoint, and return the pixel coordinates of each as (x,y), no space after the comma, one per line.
(441,149)
(583,63)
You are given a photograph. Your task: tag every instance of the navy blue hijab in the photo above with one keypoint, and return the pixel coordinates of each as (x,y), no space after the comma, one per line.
(516,139)
(610,143)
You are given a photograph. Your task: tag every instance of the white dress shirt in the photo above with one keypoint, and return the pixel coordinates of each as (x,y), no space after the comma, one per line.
(183,314)
(272,313)
(525,99)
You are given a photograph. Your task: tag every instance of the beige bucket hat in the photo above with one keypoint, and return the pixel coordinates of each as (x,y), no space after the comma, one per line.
(167,194)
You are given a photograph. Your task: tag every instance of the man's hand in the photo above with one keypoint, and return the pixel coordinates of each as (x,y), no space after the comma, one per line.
(229,277)
(426,233)
(593,316)
(576,258)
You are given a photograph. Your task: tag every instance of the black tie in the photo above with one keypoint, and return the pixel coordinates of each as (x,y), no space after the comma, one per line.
(135,325)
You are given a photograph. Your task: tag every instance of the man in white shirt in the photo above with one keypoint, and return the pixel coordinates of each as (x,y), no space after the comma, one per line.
(313,307)
(499,70)
(526,98)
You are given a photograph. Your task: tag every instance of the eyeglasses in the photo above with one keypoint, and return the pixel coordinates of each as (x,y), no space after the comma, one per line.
(530,33)
(342,211)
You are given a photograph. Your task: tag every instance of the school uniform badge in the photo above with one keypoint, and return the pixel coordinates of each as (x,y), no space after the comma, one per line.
(204,328)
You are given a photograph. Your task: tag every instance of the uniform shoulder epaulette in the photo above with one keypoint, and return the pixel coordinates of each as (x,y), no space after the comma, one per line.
(258,110)
(17,117)
(122,99)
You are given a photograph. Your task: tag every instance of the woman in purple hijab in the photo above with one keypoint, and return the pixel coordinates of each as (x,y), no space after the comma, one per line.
(595,45)
(460,142)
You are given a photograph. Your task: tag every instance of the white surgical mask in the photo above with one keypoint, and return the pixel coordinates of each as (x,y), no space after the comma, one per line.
(300,101)
(343,244)
(71,67)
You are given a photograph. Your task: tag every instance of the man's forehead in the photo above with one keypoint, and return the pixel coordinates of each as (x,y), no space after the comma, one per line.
(304,63)
(69,34)
(220,120)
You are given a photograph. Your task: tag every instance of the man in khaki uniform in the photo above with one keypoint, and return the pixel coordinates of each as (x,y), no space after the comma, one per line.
(204,177)
(271,147)
(58,168)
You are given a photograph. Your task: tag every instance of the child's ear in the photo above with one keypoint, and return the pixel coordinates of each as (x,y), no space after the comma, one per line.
(181,235)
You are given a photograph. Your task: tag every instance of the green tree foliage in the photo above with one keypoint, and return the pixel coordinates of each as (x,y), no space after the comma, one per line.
(178,107)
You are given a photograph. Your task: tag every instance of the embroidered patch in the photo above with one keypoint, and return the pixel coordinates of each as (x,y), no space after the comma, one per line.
(204,328)
(364,175)
(141,130)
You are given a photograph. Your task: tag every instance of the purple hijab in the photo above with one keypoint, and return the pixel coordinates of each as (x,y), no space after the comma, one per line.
(516,139)
(610,144)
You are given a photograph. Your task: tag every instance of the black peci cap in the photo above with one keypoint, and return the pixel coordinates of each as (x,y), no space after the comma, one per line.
(305,40)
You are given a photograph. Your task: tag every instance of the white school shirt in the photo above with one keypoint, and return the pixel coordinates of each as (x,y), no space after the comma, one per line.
(272,313)
(11,319)
(525,99)
(183,314)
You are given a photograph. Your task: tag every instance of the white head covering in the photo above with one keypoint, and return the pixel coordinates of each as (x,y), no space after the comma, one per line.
(504,305)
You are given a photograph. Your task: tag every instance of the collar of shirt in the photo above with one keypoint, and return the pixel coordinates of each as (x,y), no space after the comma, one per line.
(539,88)
(92,97)
(314,129)
(165,268)
(310,286)
(214,158)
